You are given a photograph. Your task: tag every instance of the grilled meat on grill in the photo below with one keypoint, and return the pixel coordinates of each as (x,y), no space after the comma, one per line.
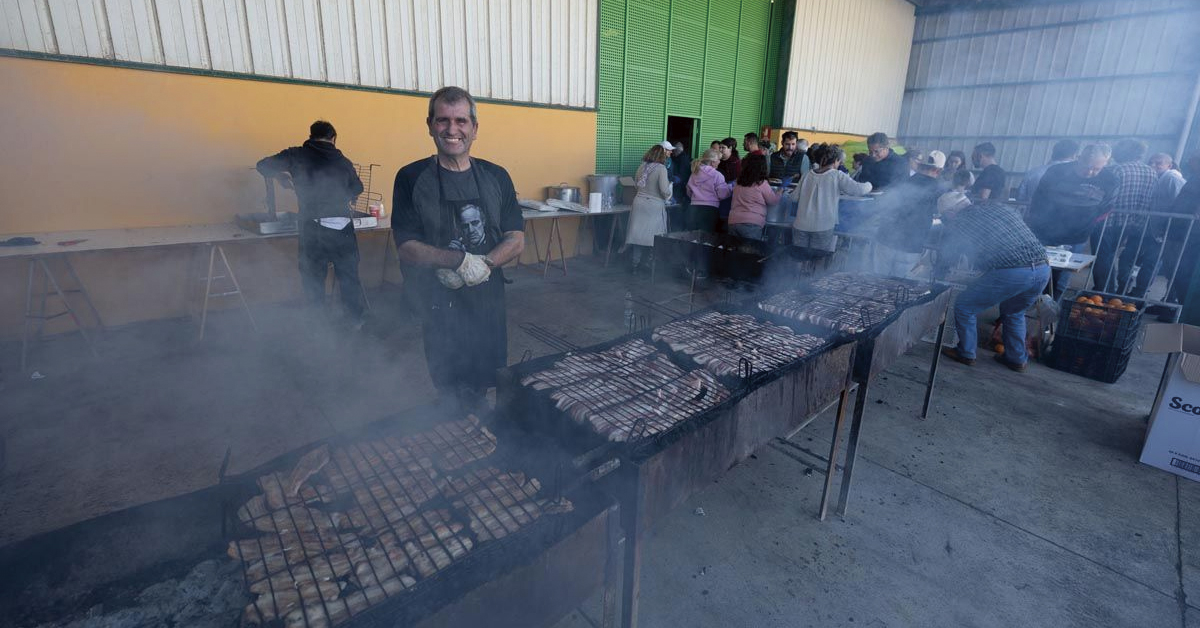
(294,546)
(453,445)
(298,519)
(274,488)
(273,574)
(274,604)
(719,342)
(331,613)
(309,464)
(840,312)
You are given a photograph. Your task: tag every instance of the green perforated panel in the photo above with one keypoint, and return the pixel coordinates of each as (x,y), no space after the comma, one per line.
(706,59)
(774,49)
(610,97)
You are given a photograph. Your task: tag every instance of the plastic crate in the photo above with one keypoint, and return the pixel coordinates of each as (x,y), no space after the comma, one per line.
(1090,359)
(1109,325)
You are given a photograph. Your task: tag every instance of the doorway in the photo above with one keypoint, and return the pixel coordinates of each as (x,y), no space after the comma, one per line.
(683,130)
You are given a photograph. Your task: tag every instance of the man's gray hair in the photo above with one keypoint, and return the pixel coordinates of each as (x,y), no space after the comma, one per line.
(1092,151)
(451,95)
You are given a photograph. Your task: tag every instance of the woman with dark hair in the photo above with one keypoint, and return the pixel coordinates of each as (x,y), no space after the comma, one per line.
(731,163)
(648,217)
(956,160)
(751,197)
(817,200)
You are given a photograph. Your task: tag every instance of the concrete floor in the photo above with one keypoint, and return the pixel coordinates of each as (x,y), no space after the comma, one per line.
(1019,503)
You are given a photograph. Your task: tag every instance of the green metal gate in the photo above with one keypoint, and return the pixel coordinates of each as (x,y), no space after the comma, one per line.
(713,60)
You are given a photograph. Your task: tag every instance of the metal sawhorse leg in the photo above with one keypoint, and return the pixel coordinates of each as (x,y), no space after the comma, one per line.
(49,281)
(213,251)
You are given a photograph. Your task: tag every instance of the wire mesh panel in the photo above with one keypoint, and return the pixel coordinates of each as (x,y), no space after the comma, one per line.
(363,202)
(728,343)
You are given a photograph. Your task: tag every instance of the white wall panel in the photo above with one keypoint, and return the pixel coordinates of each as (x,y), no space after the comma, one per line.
(371,43)
(305,40)
(401,44)
(134,32)
(228,35)
(540,51)
(80,28)
(267,27)
(183,34)
(847,66)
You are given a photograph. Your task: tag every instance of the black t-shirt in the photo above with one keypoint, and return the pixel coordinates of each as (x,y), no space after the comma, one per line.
(420,215)
(992,178)
(892,169)
(1066,205)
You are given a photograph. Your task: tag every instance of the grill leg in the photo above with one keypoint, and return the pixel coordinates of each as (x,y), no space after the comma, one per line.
(852,448)
(833,451)
(632,585)
(937,352)
(612,566)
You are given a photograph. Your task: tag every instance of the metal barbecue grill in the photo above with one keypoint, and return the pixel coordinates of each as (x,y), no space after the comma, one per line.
(482,543)
(657,472)
(391,523)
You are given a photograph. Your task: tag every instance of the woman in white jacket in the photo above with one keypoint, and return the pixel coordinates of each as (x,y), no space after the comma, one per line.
(648,217)
(817,200)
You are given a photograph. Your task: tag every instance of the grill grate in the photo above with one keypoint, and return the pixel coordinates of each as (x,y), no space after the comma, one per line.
(627,392)
(892,290)
(841,312)
(357,524)
(721,342)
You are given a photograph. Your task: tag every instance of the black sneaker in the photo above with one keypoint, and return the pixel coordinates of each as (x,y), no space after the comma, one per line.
(1020,368)
(952,353)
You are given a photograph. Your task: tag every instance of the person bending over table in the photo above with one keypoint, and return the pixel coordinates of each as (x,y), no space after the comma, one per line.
(1015,271)
(751,197)
(817,201)
(326,184)
(706,189)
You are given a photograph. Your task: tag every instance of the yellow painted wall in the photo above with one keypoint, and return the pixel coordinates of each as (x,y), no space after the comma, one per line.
(93,147)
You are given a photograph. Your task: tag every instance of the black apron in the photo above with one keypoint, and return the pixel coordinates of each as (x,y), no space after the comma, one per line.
(466,330)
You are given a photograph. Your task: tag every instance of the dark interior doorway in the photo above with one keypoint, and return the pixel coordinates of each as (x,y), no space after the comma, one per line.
(683,130)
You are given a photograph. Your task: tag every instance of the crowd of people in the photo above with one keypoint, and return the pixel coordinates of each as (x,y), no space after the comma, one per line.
(1114,202)
(1084,198)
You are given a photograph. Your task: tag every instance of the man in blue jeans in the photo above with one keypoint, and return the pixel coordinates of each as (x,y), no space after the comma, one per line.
(1015,272)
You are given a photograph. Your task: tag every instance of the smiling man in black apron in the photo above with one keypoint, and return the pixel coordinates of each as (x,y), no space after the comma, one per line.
(456,223)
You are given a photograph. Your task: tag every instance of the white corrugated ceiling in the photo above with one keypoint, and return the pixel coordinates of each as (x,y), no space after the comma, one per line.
(538,51)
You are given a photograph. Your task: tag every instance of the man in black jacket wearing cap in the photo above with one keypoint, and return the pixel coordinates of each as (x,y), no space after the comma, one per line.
(326,185)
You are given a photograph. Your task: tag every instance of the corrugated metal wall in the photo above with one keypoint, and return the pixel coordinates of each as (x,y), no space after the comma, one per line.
(1023,78)
(847,64)
(538,51)
(703,59)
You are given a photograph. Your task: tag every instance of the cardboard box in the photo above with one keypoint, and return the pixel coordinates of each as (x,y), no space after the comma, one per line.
(1173,436)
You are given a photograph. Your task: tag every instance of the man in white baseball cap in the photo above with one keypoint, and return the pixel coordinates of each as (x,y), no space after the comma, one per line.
(909,207)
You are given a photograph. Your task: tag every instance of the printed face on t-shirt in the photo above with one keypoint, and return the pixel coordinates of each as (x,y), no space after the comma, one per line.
(471,227)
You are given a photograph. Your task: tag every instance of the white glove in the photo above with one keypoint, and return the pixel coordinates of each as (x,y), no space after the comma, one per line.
(449,278)
(474,270)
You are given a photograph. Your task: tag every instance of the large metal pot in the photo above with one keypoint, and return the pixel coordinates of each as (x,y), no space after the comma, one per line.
(606,185)
(564,192)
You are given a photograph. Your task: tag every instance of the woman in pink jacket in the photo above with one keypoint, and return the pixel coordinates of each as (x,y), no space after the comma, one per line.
(706,189)
(751,197)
